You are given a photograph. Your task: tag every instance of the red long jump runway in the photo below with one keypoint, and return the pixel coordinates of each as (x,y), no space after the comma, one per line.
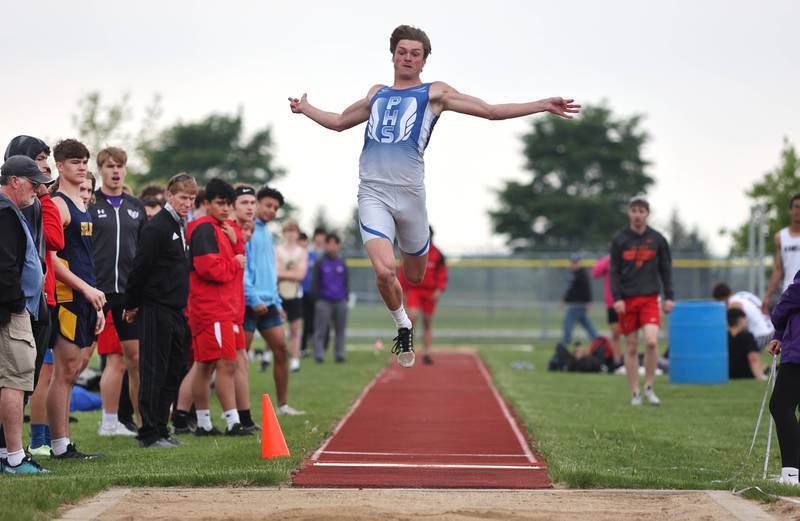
(438,426)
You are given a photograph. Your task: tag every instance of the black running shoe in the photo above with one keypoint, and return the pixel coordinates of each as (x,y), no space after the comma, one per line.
(427,360)
(202,432)
(237,430)
(73,453)
(404,347)
(251,428)
(181,430)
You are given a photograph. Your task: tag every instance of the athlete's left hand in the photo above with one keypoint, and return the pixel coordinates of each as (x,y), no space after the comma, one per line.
(668,306)
(561,107)
(437,294)
(101,322)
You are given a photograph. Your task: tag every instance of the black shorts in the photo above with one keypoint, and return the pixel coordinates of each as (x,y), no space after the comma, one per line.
(76,321)
(293,308)
(613,318)
(115,302)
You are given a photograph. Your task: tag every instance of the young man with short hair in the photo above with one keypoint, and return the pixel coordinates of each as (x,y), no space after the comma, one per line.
(21,280)
(244,210)
(787,254)
(263,310)
(118,219)
(641,267)
(744,359)
(157,292)
(391,196)
(315,250)
(79,311)
(214,307)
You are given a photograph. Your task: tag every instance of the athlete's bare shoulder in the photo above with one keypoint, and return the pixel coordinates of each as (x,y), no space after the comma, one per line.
(374,90)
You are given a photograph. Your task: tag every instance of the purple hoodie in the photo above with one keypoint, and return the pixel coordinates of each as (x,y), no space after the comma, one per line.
(786,319)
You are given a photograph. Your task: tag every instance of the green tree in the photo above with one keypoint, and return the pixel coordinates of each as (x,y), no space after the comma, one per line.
(682,239)
(100,125)
(583,172)
(773,191)
(213,147)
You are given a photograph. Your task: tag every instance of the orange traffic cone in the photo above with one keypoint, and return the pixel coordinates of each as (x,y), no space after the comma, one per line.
(272,443)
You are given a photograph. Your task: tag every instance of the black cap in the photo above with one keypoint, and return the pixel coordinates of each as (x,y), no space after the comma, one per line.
(245,190)
(26,146)
(23,166)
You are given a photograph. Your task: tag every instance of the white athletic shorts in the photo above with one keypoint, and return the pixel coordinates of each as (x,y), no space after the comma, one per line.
(389,212)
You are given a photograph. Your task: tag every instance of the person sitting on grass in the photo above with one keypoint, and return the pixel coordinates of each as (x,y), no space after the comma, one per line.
(743,356)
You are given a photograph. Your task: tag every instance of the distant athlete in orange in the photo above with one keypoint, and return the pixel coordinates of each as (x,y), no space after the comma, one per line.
(424,296)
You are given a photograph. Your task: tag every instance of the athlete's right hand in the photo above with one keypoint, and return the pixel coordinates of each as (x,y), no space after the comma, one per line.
(95,297)
(242,260)
(297,105)
(765,306)
(260,309)
(619,307)
(774,347)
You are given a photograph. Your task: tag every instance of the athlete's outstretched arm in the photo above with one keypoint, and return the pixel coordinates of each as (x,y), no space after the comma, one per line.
(353,115)
(444,97)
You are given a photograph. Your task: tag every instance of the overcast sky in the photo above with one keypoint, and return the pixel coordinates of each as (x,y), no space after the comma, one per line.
(718,82)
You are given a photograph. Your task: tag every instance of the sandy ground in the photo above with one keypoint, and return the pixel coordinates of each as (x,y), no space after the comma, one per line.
(252,504)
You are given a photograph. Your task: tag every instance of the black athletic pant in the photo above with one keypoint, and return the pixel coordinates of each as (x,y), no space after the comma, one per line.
(125,409)
(164,338)
(783,406)
(41,336)
(309,302)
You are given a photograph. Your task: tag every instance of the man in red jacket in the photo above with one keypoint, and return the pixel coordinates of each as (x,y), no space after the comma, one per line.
(214,306)
(425,295)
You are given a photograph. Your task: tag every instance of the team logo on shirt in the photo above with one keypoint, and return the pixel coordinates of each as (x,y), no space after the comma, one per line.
(101,213)
(86,229)
(133,213)
(392,119)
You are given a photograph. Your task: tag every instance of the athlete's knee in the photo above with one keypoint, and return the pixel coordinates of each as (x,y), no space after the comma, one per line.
(385,276)
(415,276)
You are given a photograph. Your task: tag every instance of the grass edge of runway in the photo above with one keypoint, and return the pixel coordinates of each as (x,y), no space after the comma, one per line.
(591,437)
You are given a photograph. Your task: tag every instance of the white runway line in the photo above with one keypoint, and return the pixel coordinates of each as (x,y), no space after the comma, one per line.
(356,404)
(430,466)
(406,454)
(520,438)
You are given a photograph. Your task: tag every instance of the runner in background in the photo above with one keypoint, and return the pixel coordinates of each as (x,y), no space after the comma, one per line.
(787,254)
(424,296)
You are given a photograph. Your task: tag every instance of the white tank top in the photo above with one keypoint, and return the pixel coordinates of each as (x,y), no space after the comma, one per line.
(289,289)
(758,323)
(790,255)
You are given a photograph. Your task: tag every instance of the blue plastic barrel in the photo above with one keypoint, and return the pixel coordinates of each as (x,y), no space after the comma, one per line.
(698,343)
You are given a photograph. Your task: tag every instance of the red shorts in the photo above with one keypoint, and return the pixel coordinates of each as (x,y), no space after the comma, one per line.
(639,311)
(241,343)
(216,342)
(108,341)
(421,299)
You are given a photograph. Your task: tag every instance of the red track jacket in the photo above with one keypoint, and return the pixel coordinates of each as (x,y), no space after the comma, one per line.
(216,277)
(435,274)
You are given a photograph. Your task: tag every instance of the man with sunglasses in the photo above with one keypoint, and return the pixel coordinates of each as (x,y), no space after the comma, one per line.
(21,282)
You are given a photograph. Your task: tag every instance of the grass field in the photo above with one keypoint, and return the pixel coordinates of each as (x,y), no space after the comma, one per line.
(583,424)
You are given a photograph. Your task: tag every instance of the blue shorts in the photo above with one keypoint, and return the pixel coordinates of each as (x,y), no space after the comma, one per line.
(272,318)
(48,357)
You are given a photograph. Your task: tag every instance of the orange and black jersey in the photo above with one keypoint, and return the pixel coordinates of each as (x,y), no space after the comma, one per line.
(640,264)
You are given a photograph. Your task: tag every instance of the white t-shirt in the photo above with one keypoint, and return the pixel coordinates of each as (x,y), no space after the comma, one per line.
(790,255)
(758,323)
(289,258)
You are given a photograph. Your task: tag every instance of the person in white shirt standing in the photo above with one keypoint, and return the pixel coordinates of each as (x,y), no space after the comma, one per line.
(787,254)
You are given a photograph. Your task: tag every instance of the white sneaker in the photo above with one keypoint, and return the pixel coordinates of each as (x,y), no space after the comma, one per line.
(287,410)
(636,400)
(652,399)
(117,429)
(789,480)
(294,365)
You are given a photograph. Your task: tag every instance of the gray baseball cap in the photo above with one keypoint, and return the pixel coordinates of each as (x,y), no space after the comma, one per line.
(23,166)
